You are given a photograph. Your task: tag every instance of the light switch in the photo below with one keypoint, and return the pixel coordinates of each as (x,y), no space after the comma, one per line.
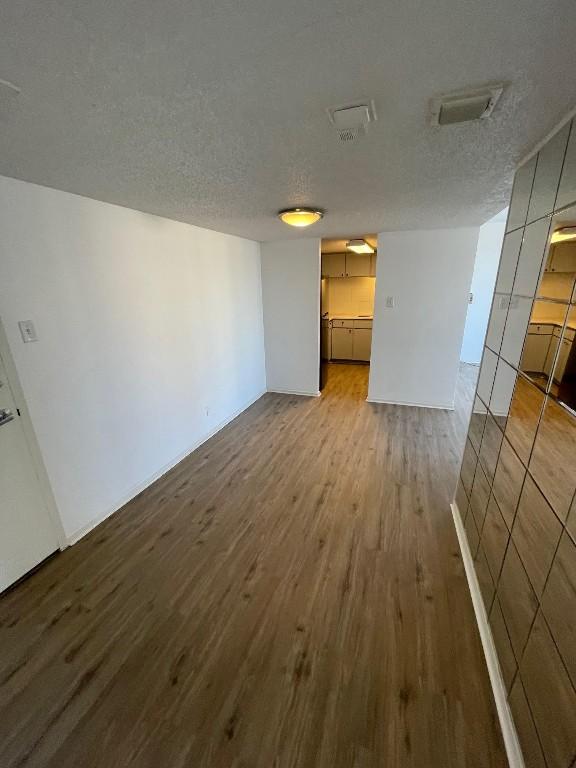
(27,331)
(389,302)
(471,298)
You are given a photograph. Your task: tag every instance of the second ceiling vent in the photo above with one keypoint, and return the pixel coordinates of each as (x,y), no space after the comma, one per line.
(465,106)
(352,120)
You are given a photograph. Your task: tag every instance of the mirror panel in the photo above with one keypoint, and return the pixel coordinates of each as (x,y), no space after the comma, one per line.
(547,176)
(508,480)
(487,373)
(521,195)
(531,257)
(559,603)
(567,188)
(527,404)
(490,448)
(536,534)
(552,462)
(502,392)
(477,421)
(508,262)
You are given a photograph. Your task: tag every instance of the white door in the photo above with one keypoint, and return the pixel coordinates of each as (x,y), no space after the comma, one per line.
(26,531)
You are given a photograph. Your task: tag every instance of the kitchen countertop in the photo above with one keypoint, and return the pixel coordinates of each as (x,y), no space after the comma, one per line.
(348,317)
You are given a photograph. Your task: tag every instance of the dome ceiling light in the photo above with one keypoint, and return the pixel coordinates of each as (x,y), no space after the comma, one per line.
(300,217)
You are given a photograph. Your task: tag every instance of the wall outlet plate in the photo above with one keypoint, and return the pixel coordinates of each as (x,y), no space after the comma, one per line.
(27,331)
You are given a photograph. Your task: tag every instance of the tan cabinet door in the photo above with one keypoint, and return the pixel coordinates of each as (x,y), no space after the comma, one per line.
(333,265)
(362,344)
(342,343)
(357,265)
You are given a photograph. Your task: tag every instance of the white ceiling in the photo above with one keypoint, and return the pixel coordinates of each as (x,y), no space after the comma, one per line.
(212,112)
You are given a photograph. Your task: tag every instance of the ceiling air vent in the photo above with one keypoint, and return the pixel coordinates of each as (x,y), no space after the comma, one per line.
(464,106)
(352,120)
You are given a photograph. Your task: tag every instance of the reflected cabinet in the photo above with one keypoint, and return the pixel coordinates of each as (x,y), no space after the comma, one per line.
(516,493)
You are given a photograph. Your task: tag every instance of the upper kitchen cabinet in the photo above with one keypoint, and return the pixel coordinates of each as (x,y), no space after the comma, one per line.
(358,264)
(333,265)
(547,176)
(348,265)
(521,195)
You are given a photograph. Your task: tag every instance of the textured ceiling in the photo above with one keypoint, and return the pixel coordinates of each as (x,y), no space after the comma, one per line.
(214,112)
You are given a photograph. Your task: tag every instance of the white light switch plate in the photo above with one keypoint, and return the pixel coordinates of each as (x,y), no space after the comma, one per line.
(389,302)
(27,331)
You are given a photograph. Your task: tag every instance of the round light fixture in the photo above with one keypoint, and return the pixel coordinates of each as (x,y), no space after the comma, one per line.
(300,217)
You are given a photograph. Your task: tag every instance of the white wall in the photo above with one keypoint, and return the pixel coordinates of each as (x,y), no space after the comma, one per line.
(416,345)
(482,288)
(150,337)
(291,300)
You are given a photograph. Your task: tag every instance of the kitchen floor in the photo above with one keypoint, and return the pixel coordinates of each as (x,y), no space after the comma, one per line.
(291,596)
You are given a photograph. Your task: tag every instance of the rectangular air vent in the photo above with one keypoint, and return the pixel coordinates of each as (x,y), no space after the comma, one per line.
(465,106)
(352,119)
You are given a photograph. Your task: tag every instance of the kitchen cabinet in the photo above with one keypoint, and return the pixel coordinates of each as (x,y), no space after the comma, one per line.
(563,258)
(358,264)
(325,340)
(563,353)
(348,264)
(342,343)
(333,265)
(361,344)
(552,350)
(536,348)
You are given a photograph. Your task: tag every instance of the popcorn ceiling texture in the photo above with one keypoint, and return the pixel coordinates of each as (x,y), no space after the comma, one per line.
(213,113)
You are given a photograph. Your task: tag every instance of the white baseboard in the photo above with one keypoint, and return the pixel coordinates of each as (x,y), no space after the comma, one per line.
(135,490)
(440,406)
(294,392)
(511,743)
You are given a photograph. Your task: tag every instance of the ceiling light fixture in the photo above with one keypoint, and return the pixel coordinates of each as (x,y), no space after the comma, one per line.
(300,217)
(359,246)
(564,234)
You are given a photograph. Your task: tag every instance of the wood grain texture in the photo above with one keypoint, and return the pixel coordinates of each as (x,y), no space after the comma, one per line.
(289,596)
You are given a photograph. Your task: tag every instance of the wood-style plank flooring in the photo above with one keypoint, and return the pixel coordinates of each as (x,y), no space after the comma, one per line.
(289,596)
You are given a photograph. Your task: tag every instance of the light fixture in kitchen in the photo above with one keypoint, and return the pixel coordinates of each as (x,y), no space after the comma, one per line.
(561,235)
(359,246)
(300,217)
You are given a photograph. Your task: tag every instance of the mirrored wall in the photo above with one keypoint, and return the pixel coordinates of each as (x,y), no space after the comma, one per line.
(516,491)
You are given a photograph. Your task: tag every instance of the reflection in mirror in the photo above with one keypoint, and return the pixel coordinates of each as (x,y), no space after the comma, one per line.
(469,461)
(567,188)
(502,392)
(508,482)
(542,340)
(523,418)
(547,177)
(552,461)
(564,379)
(490,448)
(477,420)
(486,375)
(517,321)
(497,321)
(531,258)
(508,262)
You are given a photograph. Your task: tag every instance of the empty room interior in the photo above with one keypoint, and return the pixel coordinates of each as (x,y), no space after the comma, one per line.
(287,384)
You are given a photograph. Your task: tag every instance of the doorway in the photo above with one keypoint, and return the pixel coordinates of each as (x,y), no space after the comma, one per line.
(28,535)
(348,283)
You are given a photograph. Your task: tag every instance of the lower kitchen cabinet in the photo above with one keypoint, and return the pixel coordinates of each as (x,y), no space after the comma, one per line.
(361,344)
(351,344)
(342,343)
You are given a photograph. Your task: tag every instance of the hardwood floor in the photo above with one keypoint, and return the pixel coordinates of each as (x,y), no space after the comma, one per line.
(289,596)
